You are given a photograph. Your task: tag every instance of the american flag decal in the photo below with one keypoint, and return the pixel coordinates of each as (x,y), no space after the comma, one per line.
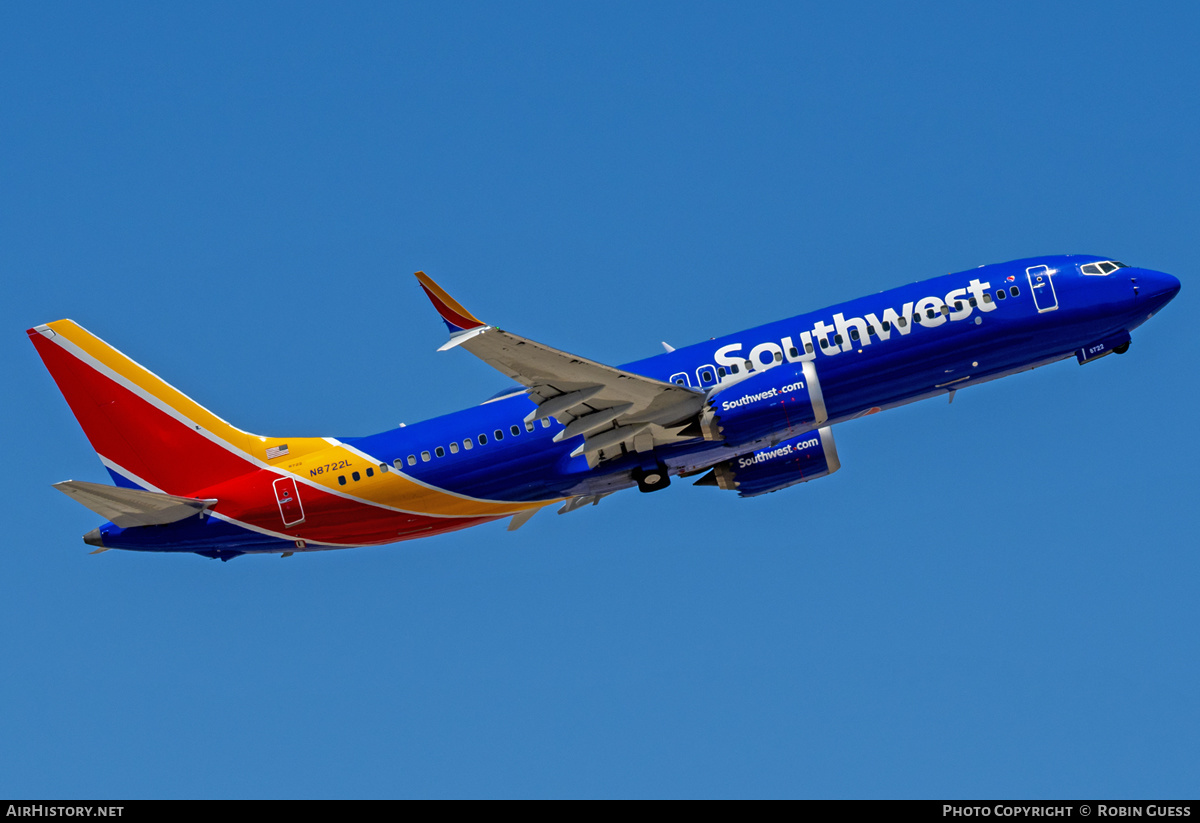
(277,451)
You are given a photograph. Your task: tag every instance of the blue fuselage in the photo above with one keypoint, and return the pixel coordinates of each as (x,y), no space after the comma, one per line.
(873,353)
(761,404)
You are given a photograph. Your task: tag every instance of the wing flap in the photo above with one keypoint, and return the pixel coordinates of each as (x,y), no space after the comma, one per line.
(132,507)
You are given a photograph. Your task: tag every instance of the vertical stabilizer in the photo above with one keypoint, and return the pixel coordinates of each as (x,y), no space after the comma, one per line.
(144,429)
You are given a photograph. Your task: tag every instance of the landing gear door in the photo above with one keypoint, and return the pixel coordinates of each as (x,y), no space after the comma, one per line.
(287,495)
(1042,286)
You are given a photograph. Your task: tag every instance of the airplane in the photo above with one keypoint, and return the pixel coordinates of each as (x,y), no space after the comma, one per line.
(750,412)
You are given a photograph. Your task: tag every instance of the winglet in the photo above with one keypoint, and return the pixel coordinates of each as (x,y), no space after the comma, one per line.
(456,318)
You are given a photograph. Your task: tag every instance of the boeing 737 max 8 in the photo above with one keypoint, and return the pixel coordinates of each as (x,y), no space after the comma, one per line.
(750,412)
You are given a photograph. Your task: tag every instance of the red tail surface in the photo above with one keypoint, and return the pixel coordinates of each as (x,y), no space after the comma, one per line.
(141,426)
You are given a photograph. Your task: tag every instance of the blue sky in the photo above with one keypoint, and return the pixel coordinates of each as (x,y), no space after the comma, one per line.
(995,598)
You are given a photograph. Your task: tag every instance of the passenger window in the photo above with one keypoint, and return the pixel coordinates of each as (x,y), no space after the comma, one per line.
(341,479)
(356,476)
(399,464)
(706,376)
(870,330)
(854,334)
(499,434)
(468,444)
(439,451)
(454,447)
(824,343)
(483,439)
(958,305)
(1014,291)
(778,357)
(383,467)
(545,422)
(808,348)
(945,309)
(529,427)
(733,368)
(887,326)
(987,298)
(837,338)
(901,321)
(1001,294)
(749,366)
(425,458)
(515,430)
(721,370)
(973,302)
(412,460)
(930,313)
(370,472)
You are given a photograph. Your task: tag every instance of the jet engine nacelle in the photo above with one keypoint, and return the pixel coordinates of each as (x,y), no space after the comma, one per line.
(793,461)
(774,404)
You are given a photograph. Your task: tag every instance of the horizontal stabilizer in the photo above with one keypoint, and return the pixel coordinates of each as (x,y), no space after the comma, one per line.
(132,507)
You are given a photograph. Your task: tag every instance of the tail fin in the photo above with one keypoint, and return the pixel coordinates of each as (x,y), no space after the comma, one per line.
(147,433)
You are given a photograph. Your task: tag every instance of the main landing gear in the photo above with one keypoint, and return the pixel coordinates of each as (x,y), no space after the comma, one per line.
(1121,349)
(652,479)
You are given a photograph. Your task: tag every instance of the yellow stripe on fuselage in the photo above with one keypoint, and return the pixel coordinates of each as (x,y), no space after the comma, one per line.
(388,487)
(305,454)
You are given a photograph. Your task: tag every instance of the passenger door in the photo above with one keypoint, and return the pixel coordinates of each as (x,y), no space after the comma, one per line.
(1042,286)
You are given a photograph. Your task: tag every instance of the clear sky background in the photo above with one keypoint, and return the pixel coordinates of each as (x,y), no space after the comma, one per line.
(994,598)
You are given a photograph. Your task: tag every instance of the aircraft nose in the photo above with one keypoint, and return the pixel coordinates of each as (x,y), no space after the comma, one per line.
(1156,288)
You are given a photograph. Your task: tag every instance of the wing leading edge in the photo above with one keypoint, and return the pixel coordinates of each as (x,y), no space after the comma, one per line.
(614,411)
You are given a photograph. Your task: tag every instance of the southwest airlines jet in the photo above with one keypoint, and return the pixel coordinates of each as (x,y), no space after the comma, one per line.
(750,412)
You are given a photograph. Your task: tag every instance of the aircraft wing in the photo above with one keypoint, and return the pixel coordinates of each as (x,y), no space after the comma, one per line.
(609,407)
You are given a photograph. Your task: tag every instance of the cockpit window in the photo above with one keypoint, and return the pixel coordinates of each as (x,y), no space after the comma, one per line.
(1103,267)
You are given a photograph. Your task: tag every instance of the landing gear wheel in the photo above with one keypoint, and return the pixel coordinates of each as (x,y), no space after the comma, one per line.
(1121,349)
(651,480)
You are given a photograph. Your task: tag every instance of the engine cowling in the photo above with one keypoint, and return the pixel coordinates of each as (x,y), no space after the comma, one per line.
(773,404)
(796,460)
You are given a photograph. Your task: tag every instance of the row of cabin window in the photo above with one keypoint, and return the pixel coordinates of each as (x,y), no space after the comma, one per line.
(355,476)
(468,444)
